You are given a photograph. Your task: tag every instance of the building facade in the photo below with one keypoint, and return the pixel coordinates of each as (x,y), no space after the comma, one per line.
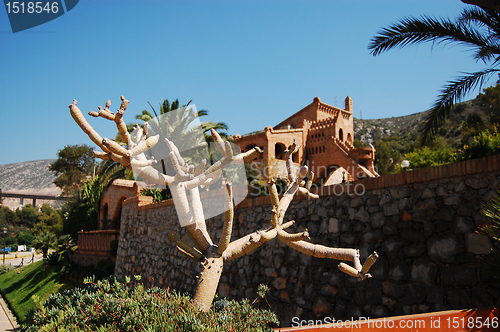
(325,134)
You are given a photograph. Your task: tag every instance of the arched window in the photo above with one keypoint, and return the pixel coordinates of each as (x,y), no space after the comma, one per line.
(341,134)
(349,138)
(279,151)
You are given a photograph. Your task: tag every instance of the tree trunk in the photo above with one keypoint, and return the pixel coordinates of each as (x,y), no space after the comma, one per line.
(208,282)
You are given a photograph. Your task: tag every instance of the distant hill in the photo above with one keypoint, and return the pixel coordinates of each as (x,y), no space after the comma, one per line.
(27,177)
(370,130)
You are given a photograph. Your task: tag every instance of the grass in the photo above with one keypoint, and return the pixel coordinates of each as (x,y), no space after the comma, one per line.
(19,286)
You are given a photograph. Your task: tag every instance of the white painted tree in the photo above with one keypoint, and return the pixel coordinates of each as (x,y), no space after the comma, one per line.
(184,186)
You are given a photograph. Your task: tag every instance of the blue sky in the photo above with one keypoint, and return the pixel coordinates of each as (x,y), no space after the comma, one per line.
(250,63)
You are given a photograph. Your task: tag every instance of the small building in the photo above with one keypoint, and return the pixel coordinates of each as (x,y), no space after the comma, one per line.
(96,245)
(325,134)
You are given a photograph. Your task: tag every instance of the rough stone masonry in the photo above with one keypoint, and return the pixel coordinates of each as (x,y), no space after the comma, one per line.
(424,232)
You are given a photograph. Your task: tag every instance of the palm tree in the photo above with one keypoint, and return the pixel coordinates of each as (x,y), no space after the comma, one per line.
(44,242)
(180,125)
(476,28)
(64,245)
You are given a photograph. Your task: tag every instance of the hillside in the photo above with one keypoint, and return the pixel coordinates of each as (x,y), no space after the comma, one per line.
(370,130)
(27,177)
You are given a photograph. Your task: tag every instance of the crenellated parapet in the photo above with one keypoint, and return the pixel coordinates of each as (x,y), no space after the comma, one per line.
(325,123)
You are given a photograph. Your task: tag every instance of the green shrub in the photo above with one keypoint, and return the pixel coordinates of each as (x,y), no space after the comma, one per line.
(113,306)
(4,268)
(429,157)
(157,194)
(483,145)
(9,240)
(53,259)
(25,238)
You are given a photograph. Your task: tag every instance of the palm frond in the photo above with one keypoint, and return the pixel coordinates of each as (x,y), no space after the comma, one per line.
(452,93)
(154,111)
(490,268)
(206,126)
(489,19)
(492,211)
(411,31)
(490,263)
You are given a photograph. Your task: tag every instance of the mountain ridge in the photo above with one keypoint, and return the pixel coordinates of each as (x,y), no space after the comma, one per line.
(27,175)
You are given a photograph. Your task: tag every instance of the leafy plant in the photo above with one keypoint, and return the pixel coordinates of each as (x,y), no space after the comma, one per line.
(4,268)
(483,145)
(490,263)
(429,157)
(44,242)
(157,194)
(110,305)
(53,259)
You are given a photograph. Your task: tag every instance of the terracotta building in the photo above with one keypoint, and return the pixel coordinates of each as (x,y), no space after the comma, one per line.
(325,134)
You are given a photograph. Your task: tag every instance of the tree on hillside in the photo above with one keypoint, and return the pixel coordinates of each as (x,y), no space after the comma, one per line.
(7,216)
(489,101)
(74,164)
(50,221)
(27,215)
(476,28)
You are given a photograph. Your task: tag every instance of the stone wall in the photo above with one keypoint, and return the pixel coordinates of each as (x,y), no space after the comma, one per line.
(421,223)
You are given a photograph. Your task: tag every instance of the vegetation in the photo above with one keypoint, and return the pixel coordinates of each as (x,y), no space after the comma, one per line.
(4,268)
(82,212)
(157,194)
(469,132)
(72,167)
(24,224)
(20,285)
(109,305)
(44,242)
(179,123)
(476,28)
(490,263)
